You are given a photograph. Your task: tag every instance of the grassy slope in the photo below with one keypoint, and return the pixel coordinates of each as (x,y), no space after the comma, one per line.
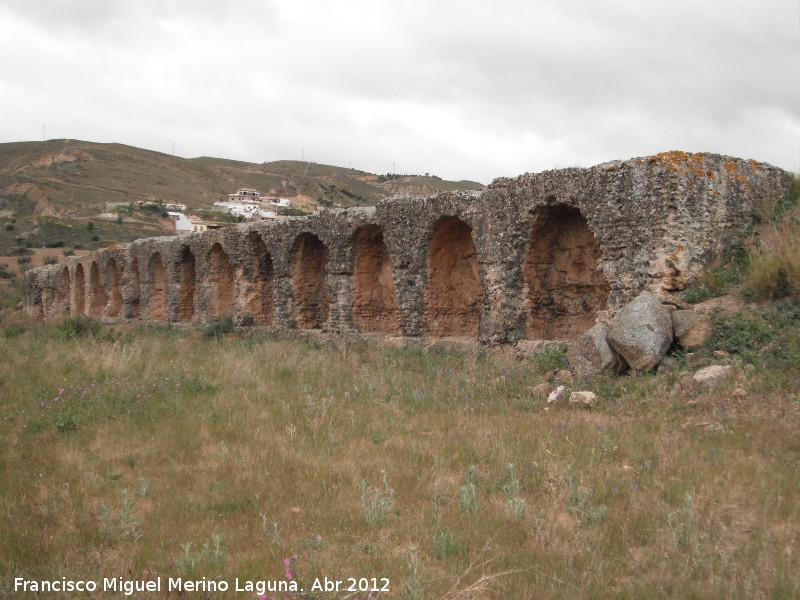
(148,451)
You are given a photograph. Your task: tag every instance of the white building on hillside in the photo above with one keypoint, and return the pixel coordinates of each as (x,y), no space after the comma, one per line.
(244,194)
(187,223)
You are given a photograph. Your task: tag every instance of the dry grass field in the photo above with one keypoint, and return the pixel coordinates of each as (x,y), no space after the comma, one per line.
(147,453)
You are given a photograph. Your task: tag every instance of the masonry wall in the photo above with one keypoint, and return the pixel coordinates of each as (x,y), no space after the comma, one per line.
(540,256)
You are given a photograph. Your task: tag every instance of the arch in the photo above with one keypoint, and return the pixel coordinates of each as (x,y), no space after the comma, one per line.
(453,293)
(156,307)
(79,289)
(256,285)
(309,281)
(220,276)
(115,305)
(374,295)
(564,288)
(97,293)
(186,285)
(134,303)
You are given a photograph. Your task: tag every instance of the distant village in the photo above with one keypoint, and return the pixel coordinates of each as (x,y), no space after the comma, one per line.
(245,204)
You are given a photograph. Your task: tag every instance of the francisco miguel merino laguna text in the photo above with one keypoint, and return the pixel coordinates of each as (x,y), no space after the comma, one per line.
(173,584)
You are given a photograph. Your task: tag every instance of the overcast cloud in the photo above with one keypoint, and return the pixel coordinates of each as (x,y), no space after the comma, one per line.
(462,89)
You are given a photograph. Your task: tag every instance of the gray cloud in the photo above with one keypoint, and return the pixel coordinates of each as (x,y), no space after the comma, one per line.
(460,89)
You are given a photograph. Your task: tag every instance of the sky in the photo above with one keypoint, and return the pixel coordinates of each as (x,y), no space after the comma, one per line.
(462,89)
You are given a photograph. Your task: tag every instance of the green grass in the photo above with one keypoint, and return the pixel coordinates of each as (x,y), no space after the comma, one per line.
(142,452)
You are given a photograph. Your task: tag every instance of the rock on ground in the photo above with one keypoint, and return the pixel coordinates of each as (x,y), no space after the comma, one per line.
(691,328)
(642,332)
(713,375)
(556,394)
(591,355)
(585,399)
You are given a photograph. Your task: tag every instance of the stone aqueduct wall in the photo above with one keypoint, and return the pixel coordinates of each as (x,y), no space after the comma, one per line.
(540,256)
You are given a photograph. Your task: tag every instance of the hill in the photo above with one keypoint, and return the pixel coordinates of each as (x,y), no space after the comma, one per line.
(54,191)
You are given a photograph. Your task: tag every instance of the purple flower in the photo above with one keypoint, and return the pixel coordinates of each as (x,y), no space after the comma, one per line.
(319,538)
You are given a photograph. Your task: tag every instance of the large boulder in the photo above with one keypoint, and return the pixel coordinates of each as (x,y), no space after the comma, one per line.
(642,332)
(691,328)
(590,355)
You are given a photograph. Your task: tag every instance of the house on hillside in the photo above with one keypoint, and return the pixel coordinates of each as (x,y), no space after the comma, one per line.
(243,194)
(187,223)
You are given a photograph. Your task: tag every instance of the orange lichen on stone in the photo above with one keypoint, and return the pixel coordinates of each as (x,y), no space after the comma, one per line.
(734,172)
(684,162)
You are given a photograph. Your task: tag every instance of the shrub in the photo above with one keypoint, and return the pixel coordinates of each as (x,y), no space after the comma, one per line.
(80,326)
(773,251)
(50,260)
(69,252)
(219,328)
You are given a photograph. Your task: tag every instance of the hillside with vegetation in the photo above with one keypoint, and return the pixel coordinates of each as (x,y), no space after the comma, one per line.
(56,192)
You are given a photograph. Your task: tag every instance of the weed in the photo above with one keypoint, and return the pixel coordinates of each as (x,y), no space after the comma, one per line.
(468,492)
(66,421)
(412,578)
(515,503)
(376,503)
(581,501)
(444,543)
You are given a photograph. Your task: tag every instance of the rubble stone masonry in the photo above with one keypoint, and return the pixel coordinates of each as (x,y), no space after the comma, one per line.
(541,256)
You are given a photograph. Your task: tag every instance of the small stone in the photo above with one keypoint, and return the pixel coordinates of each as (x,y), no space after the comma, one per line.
(556,394)
(739,392)
(713,375)
(584,399)
(721,354)
(541,391)
(691,404)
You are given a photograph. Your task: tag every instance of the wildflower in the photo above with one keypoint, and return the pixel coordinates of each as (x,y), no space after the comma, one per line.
(319,538)
(60,391)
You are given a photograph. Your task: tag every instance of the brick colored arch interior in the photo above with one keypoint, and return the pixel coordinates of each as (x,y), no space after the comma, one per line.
(309,281)
(134,284)
(157,304)
(186,285)
(79,289)
(454,289)
(374,295)
(565,289)
(220,278)
(256,287)
(115,305)
(97,293)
